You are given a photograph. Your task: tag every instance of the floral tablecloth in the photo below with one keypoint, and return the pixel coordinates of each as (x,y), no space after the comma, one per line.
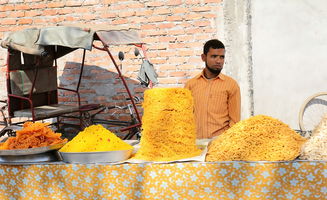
(186,180)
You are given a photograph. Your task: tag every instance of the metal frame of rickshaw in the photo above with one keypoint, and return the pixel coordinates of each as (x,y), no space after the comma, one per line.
(88,107)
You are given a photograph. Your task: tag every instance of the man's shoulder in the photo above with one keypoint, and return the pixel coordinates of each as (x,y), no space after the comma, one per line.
(229,79)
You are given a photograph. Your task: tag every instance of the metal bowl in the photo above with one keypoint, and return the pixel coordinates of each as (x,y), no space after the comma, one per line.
(95,157)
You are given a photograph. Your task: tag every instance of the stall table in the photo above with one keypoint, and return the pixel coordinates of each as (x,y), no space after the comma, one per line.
(185,180)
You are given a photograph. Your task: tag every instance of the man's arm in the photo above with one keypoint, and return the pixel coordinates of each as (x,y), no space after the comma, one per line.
(234,106)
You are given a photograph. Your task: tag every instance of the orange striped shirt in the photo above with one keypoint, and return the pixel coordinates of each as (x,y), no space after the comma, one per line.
(217,104)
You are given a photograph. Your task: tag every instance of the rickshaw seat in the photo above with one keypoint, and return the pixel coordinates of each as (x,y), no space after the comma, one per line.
(34,87)
(47,111)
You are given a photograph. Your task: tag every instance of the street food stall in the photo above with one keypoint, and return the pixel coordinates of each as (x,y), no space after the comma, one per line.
(257,158)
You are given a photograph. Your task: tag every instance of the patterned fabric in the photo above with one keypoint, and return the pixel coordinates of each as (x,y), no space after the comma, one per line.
(217,104)
(190,180)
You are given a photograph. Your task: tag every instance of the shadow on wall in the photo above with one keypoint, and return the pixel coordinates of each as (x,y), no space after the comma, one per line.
(101,86)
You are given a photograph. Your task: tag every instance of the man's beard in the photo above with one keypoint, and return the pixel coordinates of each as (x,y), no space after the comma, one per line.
(213,71)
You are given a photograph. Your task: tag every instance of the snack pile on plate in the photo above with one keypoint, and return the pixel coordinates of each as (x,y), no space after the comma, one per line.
(93,139)
(258,138)
(33,135)
(316,147)
(168,125)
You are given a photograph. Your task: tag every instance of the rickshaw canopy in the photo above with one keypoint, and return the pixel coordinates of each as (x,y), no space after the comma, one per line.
(68,38)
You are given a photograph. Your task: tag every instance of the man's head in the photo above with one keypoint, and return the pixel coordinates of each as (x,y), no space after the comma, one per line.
(214,57)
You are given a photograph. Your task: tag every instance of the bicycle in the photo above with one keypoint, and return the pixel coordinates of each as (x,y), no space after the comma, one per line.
(5,128)
(89,118)
(312,111)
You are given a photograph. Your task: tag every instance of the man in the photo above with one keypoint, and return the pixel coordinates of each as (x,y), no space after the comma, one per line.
(217,97)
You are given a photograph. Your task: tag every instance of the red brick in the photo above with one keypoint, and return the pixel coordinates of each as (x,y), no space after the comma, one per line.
(126,14)
(158,18)
(120,21)
(176,60)
(173,2)
(176,32)
(201,8)
(38,5)
(22,7)
(167,39)
(177,74)
(194,30)
(55,5)
(6,8)
(8,21)
(73,3)
(3,1)
(193,16)
(89,17)
(144,13)
(187,66)
(185,38)
(3,14)
(32,13)
(167,80)
(148,26)
(109,15)
(176,45)
(90,2)
(135,5)
(40,20)
(154,4)
(174,18)
(159,11)
(50,12)
(179,10)
(202,23)
(212,1)
(210,16)
(185,53)
(192,1)
(166,25)
(16,14)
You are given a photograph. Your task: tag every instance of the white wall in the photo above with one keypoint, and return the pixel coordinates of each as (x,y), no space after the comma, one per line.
(289,47)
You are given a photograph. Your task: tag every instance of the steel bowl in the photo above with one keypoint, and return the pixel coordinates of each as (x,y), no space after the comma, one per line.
(95,157)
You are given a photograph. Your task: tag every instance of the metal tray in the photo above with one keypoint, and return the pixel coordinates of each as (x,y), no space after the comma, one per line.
(95,157)
(32,155)
(31,151)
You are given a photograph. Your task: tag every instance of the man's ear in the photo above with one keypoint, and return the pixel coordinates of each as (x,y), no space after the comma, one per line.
(203,56)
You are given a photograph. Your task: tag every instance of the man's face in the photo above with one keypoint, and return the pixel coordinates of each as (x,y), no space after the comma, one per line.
(214,60)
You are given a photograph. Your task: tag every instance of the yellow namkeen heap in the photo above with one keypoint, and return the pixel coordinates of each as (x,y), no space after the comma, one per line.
(95,138)
(256,138)
(168,125)
(316,147)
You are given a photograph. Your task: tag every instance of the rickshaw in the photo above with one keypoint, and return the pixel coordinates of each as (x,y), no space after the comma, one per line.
(31,76)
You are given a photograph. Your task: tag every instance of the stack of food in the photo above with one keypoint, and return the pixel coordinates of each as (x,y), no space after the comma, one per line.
(168,125)
(93,139)
(255,139)
(316,147)
(33,135)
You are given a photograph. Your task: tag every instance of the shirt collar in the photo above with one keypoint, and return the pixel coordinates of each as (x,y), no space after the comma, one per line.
(220,76)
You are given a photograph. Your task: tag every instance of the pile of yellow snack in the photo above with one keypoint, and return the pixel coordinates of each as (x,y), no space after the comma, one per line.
(316,147)
(33,135)
(168,125)
(95,138)
(258,138)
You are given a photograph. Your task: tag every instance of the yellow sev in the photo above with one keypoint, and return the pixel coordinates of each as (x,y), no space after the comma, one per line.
(256,138)
(168,125)
(95,138)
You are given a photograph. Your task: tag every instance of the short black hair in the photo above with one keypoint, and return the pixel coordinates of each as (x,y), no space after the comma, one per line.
(214,43)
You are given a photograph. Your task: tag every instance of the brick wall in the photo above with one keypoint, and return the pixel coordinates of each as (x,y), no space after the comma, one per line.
(174,32)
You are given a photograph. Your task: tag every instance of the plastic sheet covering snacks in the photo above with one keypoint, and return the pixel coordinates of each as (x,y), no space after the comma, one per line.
(258,138)
(316,147)
(95,138)
(168,125)
(33,135)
